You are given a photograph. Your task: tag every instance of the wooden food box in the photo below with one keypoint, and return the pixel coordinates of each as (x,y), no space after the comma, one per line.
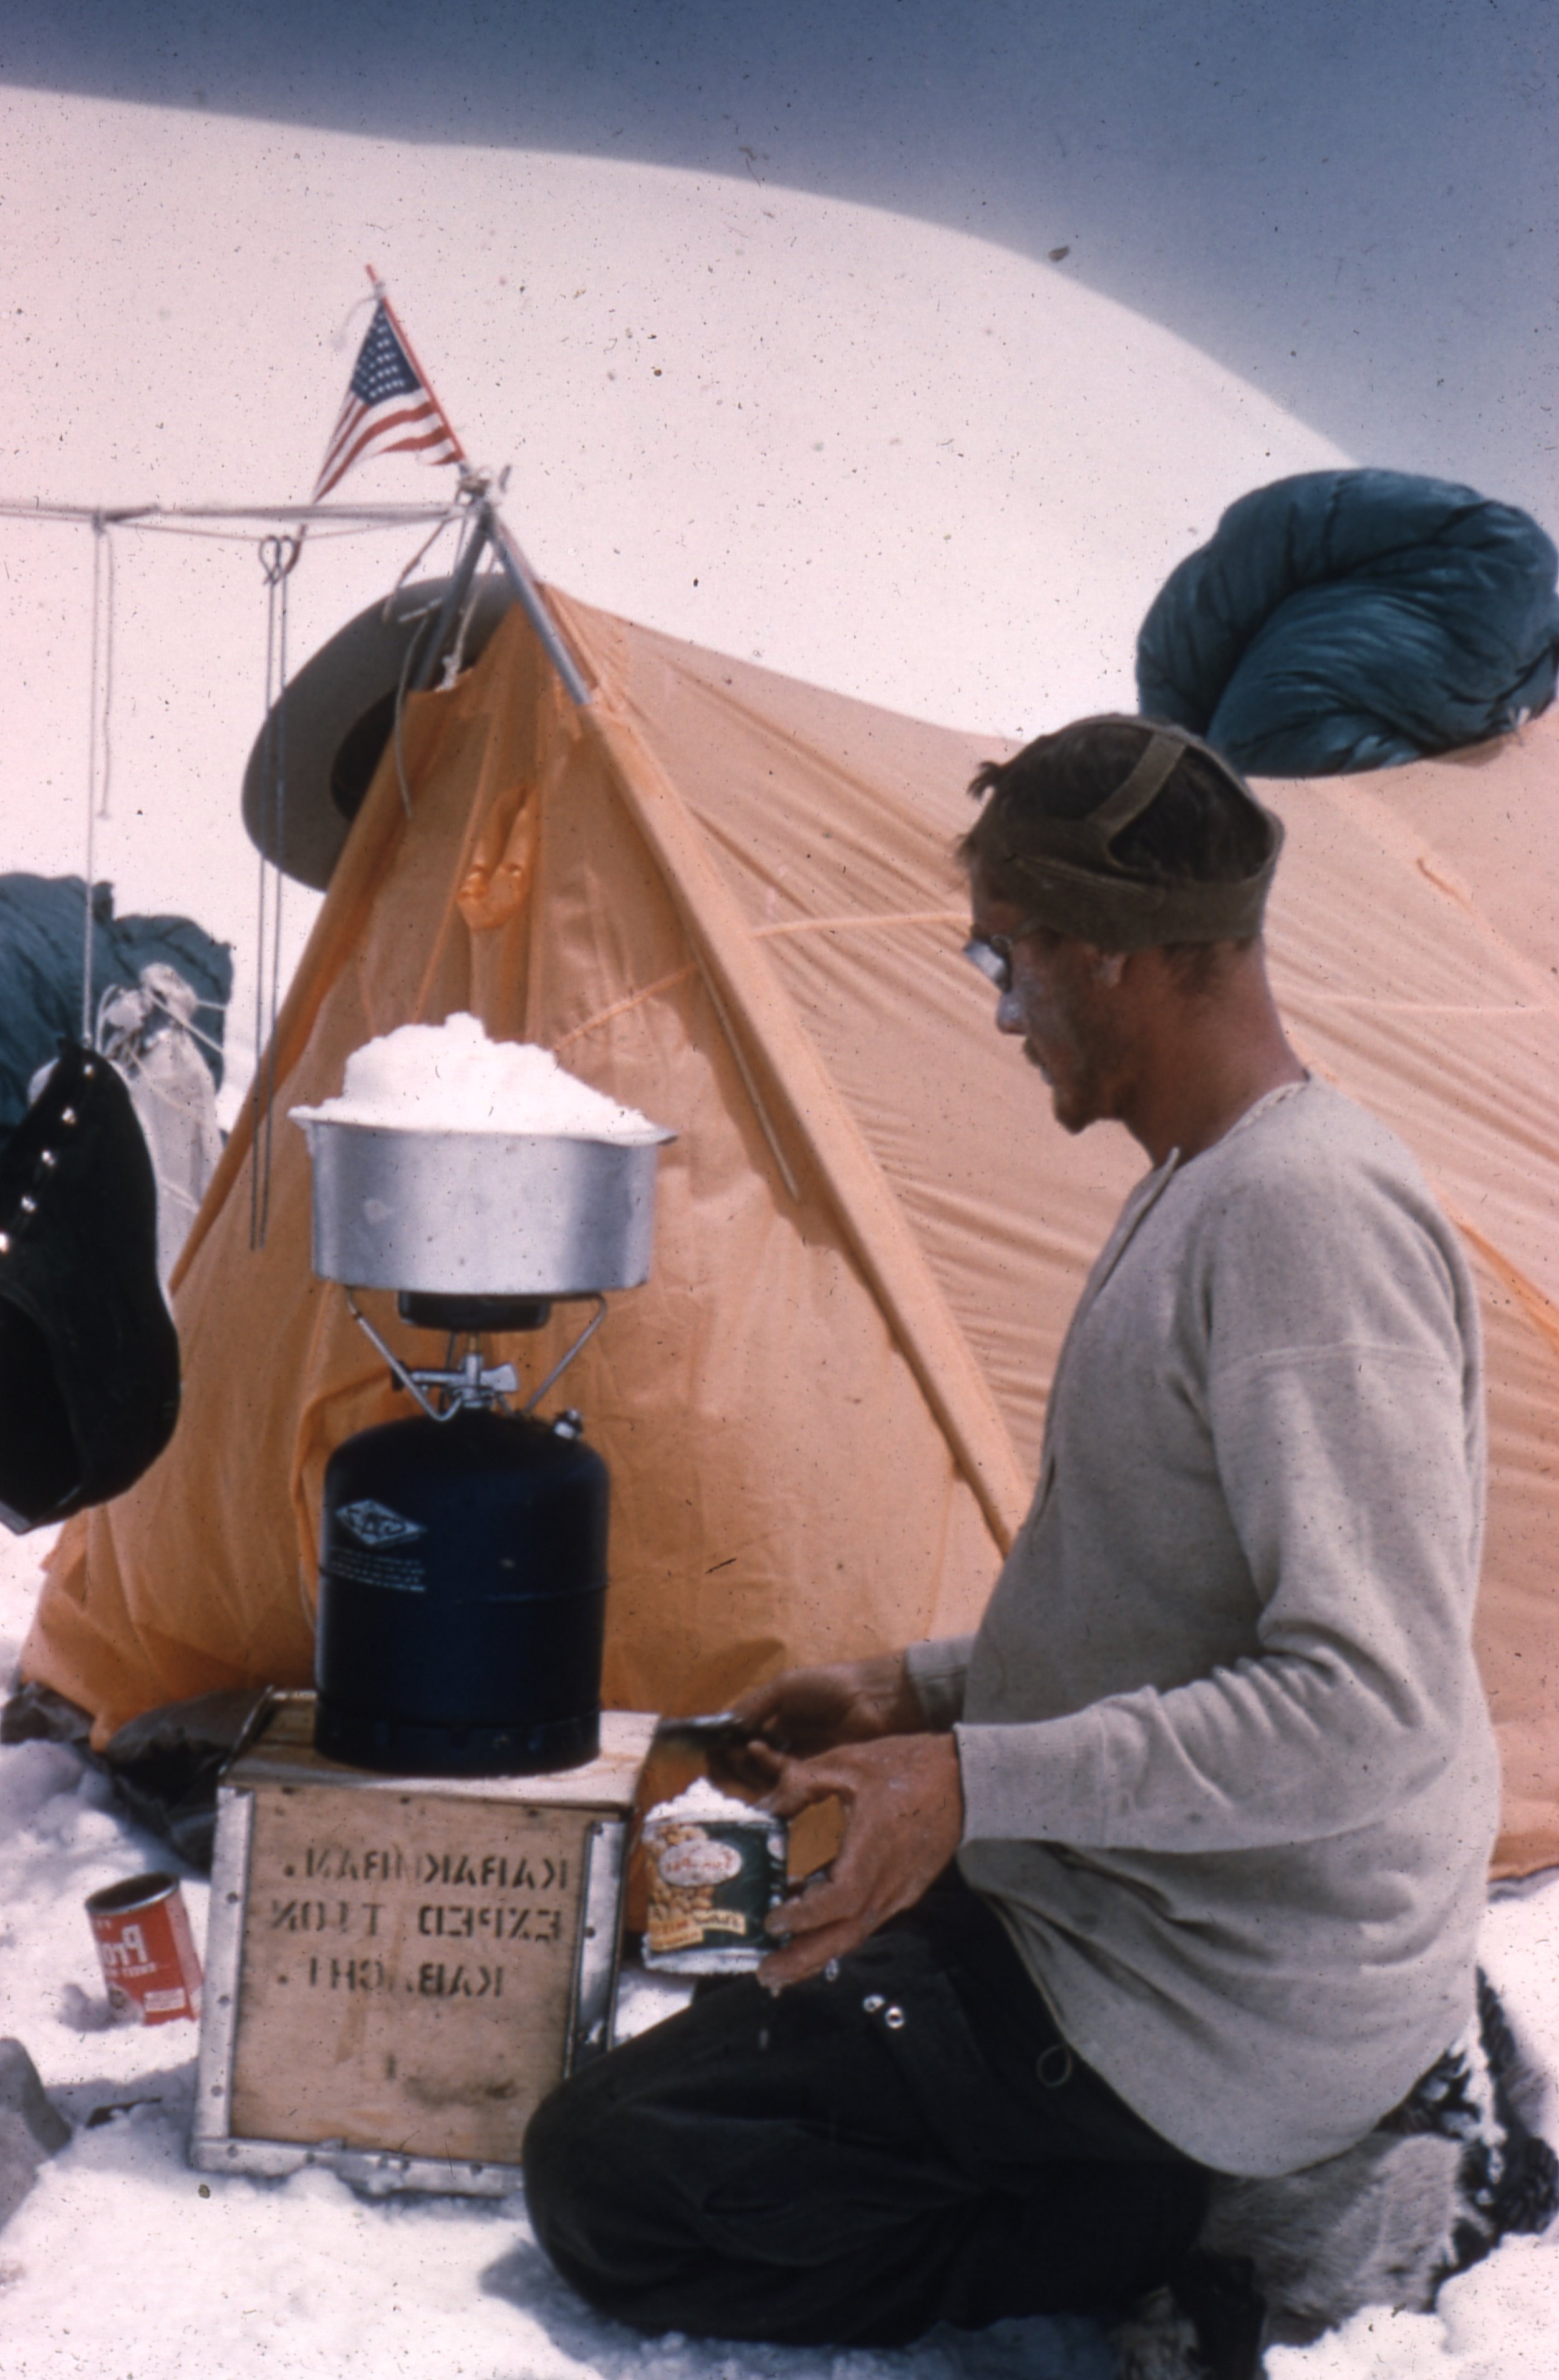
(398,1969)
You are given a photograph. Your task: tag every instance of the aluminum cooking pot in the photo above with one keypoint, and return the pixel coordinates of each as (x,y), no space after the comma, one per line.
(485,1214)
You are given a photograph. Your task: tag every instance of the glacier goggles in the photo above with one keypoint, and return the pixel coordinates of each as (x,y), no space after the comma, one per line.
(992,953)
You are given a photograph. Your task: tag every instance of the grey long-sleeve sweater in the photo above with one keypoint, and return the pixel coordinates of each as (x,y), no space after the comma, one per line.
(1228,1772)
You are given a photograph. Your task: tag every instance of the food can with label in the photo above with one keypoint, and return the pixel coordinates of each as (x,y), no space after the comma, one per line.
(716,1870)
(147,1951)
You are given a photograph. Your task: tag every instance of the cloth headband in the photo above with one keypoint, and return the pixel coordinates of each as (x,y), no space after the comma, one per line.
(1080,887)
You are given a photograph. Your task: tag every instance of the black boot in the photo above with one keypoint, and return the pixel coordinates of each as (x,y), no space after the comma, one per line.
(1226,2309)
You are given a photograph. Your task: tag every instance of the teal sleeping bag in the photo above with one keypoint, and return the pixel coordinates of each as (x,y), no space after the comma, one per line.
(1344,620)
(42,938)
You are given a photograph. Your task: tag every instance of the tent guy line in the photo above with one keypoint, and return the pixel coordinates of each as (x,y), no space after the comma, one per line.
(100,747)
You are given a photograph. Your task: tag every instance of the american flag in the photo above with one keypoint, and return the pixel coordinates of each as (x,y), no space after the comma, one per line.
(389,409)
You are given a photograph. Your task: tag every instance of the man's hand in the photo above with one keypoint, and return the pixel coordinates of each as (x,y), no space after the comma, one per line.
(903,1801)
(805,1711)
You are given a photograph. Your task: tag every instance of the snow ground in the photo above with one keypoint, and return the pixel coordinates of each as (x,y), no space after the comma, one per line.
(125,2263)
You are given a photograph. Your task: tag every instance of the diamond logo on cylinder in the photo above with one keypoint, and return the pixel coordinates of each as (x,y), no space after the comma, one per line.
(374,1523)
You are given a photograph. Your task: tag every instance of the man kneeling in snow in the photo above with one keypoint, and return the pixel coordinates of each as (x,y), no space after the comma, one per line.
(1175,1868)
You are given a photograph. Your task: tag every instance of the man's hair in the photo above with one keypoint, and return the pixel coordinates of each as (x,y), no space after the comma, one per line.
(1200,827)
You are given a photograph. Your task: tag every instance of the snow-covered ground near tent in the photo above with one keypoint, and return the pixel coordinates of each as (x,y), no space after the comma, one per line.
(125,2263)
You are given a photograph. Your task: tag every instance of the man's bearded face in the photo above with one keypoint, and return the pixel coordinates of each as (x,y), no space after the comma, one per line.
(1061,1001)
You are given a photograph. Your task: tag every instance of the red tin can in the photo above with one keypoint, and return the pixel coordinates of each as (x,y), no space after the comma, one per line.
(147,1954)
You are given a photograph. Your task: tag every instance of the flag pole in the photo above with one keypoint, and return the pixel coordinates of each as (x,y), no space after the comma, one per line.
(516,569)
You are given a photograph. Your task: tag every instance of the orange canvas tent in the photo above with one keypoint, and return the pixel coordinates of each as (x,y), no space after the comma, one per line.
(727,898)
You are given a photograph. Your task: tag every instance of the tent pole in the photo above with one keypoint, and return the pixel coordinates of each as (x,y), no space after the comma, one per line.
(518,570)
(449,609)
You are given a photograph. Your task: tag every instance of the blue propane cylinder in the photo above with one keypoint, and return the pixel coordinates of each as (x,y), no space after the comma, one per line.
(463,1597)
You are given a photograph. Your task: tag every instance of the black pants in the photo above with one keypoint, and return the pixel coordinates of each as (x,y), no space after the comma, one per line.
(911,2144)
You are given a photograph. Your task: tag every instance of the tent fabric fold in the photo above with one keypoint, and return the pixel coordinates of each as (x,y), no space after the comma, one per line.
(728,899)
